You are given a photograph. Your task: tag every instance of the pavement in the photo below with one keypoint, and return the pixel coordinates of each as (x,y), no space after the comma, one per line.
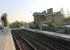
(6,41)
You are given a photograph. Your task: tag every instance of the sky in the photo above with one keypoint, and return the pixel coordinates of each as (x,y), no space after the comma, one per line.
(22,10)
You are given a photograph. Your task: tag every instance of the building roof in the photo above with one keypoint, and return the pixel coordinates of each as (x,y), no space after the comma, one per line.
(47,14)
(40,13)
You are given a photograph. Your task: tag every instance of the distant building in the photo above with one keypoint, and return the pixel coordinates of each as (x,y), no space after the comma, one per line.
(55,18)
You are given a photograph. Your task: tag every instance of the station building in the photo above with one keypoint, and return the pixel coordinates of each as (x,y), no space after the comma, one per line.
(49,17)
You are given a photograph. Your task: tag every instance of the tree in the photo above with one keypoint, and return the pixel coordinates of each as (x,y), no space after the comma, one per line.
(16,24)
(50,27)
(4,20)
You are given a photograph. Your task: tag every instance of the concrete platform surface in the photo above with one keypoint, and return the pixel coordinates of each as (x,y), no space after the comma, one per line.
(6,41)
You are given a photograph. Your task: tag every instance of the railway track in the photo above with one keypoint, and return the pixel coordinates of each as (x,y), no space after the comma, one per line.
(20,43)
(38,41)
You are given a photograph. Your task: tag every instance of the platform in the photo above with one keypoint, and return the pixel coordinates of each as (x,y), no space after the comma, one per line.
(6,41)
(66,36)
